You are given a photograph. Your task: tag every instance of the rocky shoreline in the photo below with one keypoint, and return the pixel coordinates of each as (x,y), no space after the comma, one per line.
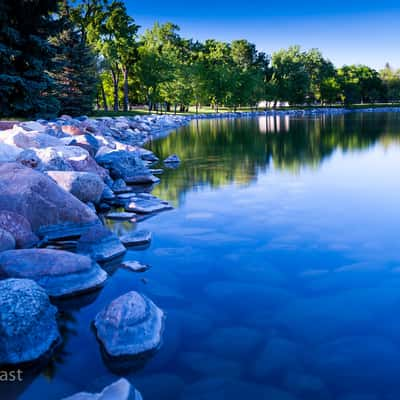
(59,180)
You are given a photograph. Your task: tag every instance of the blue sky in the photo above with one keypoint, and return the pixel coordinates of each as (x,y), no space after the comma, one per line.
(351,31)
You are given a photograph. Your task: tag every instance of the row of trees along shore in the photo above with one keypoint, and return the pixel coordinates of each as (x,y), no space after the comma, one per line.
(75,56)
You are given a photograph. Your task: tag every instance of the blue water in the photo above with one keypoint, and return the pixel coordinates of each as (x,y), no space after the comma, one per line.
(278,269)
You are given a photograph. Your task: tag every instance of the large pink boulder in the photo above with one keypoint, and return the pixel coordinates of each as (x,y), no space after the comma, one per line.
(39,199)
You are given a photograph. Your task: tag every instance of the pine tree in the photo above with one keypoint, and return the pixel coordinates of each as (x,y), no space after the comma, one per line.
(25,58)
(75,73)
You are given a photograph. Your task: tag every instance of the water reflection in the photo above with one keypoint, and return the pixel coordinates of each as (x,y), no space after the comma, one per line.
(219,152)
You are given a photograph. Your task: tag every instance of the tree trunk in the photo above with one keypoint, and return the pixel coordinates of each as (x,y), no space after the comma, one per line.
(197,108)
(126,89)
(115,79)
(103,95)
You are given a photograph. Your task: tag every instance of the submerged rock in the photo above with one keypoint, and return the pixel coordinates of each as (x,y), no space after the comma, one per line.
(119,390)
(125,165)
(135,266)
(38,198)
(19,227)
(85,186)
(60,273)
(136,238)
(145,203)
(28,327)
(7,241)
(129,326)
(100,244)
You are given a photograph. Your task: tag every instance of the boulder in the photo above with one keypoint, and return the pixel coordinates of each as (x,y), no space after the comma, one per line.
(136,238)
(64,158)
(28,327)
(125,165)
(19,227)
(8,153)
(86,186)
(25,139)
(72,130)
(129,326)
(119,390)
(100,244)
(7,241)
(39,199)
(87,142)
(60,273)
(145,203)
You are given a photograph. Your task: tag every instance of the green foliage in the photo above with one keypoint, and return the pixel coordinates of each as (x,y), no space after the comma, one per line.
(75,70)
(25,58)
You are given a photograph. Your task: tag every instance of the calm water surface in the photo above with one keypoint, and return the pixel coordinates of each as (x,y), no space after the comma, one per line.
(279,268)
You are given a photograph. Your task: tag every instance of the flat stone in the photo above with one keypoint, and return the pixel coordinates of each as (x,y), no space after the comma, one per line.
(7,241)
(67,231)
(144,204)
(129,326)
(136,238)
(120,216)
(119,390)
(28,326)
(135,266)
(100,244)
(60,273)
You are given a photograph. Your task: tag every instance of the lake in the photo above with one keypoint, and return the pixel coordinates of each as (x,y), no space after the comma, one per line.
(278,269)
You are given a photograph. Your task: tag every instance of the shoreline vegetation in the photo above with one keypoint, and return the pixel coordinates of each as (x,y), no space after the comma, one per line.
(89,55)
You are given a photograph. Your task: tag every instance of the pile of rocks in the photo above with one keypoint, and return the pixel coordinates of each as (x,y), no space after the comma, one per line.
(57,179)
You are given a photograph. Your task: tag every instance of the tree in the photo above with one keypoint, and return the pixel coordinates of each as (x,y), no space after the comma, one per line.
(290,80)
(25,58)
(75,69)
(391,83)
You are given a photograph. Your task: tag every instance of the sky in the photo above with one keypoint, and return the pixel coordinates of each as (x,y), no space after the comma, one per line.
(347,32)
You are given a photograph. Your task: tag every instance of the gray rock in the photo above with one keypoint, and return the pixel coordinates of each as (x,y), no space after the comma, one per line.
(85,186)
(119,186)
(144,203)
(60,273)
(87,142)
(28,327)
(39,199)
(24,139)
(125,165)
(130,325)
(66,158)
(172,159)
(107,194)
(135,266)
(7,241)
(136,238)
(120,216)
(148,155)
(100,244)
(9,153)
(119,390)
